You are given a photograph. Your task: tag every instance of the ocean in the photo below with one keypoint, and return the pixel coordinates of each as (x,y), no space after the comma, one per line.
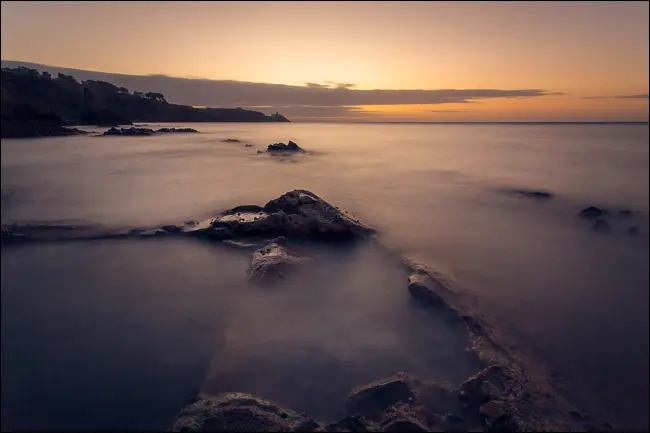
(119,334)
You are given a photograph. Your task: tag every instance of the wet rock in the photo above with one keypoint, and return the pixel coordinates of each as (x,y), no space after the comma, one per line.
(592,212)
(172,229)
(248,145)
(282,147)
(370,400)
(183,130)
(273,261)
(296,213)
(113,131)
(601,226)
(421,288)
(236,412)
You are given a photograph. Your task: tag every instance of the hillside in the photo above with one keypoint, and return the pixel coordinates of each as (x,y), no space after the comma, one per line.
(29,98)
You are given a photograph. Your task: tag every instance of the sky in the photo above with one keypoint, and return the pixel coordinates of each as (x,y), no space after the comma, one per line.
(357,61)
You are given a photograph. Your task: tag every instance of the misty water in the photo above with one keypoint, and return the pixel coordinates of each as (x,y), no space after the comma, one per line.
(120,334)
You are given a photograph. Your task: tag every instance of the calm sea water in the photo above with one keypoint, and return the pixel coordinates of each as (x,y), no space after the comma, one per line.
(119,334)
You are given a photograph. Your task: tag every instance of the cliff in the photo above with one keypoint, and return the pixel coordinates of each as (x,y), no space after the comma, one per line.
(31,98)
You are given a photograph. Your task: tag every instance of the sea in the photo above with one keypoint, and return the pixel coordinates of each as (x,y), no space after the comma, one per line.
(120,334)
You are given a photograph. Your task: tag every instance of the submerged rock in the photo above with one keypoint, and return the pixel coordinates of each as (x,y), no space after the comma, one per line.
(238,412)
(592,212)
(625,213)
(272,261)
(601,226)
(231,140)
(281,147)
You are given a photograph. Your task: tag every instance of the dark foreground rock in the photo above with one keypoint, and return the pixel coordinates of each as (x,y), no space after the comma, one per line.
(273,261)
(296,213)
(182,130)
(282,147)
(241,413)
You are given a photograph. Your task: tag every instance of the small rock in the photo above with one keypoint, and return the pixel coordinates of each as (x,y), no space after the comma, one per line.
(231,140)
(420,290)
(601,226)
(625,213)
(592,212)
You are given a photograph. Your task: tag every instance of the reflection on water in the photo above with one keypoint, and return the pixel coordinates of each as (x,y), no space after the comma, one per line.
(577,298)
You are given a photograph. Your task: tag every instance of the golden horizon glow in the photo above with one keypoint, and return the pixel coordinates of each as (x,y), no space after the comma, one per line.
(582,50)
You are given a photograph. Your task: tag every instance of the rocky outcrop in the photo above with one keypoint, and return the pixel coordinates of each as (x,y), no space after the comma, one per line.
(296,213)
(282,147)
(132,131)
(182,130)
(533,193)
(273,261)
(371,400)
(241,413)
(231,140)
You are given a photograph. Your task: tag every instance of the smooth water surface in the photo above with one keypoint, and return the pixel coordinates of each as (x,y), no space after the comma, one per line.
(576,298)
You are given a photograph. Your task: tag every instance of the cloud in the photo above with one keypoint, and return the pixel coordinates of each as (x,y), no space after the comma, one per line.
(228,93)
(341,85)
(449,111)
(639,96)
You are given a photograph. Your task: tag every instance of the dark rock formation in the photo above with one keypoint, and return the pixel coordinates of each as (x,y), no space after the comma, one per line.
(592,212)
(21,120)
(239,413)
(281,147)
(231,140)
(165,130)
(273,261)
(371,400)
(601,226)
(296,213)
(94,102)
(132,131)
(418,285)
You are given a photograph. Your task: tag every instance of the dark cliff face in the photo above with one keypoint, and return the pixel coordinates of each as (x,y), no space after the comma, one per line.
(99,103)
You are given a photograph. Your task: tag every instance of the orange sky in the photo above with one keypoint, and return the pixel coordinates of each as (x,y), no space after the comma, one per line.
(580,49)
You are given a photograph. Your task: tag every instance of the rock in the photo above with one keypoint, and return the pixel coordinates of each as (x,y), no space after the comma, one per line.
(231,140)
(534,194)
(272,261)
(113,131)
(281,147)
(172,229)
(236,412)
(370,400)
(484,386)
(592,212)
(248,145)
(405,425)
(296,213)
(259,151)
(601,226)
(354,423)
(164,130)
(625,213)
(419,286)
(491,410)
(132,131)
